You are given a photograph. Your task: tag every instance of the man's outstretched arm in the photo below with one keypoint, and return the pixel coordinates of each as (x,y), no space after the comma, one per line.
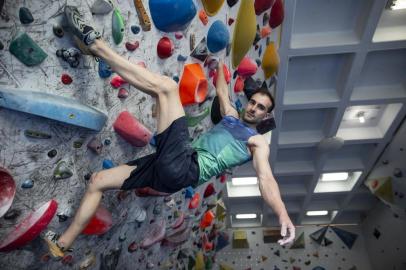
(222,93)
(269,187)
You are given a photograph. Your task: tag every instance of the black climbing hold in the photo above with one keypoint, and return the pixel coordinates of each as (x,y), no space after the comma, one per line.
(107,141)
(135,29)
(12,214)
(52,153)
(36,134)
(1,46)
(58,30)
(385,162)
(231,3)
(88,176)
(25,16)
(397,172)
(27,184)
(62,217)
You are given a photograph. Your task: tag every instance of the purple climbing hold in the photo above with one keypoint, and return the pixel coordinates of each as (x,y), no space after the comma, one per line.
(95,145)
(218,37)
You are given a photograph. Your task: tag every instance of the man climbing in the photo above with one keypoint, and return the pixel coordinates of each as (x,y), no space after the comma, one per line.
(177,163)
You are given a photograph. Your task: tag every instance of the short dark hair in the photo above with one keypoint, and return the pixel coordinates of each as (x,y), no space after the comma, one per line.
(265,92)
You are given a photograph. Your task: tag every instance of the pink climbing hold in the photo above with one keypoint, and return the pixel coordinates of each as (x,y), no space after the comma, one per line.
(194,202)
(178,35)
(117,81)
(227,75)
(277,14)
(265,31)
(142,64)
(247,67)
(230,21)
(122,93)
(66,79)
(131,130)
(239,85)
(132,46)
(155,234)
(262,5)
(165,48)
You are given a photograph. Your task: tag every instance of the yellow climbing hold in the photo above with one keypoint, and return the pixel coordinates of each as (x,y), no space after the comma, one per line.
(212,6)
(224,266)
(270,61)
(244,31)
(199,265)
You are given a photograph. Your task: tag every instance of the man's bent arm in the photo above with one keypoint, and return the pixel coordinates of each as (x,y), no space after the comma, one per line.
(222,93)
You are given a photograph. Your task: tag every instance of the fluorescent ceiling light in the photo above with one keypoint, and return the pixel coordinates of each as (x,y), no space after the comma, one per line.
(245,216)
(397,4)
(341,176)
(244,181)
(317,213)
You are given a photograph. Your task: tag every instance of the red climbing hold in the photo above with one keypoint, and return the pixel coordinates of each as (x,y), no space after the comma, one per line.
(100,223)
(117,81)
(223,178)
(277,14)
(132,46)
(194,202)
(122,93)
(66,79)
(227,75)
(147,191)
(230,21)
(209,190)
(265,31)
(262,5)
(207,219)
(7,190)
(131,130)
(239,85)
(165,48)
(132,247)
(247,67)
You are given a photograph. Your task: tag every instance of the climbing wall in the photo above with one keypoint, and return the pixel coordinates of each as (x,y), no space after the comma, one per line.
(51,160)
(318,254)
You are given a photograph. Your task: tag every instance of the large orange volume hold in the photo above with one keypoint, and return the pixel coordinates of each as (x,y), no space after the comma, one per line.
(193,85)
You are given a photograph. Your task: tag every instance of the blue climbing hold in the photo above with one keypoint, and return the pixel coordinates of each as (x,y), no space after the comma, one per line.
(27,184)
(238,105)
(152,141)
(182,58)
(172,15)
(218,37)
(108,164)
(189,192)
(135,29)
(104,69)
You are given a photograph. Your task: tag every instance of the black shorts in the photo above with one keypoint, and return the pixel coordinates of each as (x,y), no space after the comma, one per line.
(172,167)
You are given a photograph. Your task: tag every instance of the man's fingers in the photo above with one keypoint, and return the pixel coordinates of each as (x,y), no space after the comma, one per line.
(283,229)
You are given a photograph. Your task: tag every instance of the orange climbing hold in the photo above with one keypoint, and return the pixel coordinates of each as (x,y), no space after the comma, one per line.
(194,202)
(207,219)
(265,31)
(203,17)
(193,85)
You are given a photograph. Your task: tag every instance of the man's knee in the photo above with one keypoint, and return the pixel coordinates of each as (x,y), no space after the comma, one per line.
(95,183)
(168,86)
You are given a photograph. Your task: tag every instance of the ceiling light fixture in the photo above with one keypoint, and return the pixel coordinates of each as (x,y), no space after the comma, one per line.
(341,176)
(361,117)
(396,4)
(245,216)
(317,213)
(244,181)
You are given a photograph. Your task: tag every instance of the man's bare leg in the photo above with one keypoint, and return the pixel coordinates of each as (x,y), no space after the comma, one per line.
(99,182)
(163,88)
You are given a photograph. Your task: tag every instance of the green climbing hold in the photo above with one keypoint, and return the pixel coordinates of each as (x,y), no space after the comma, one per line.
(26,50)
(25,15)
(117,26)
(194,120)
(36,134)
(62,171)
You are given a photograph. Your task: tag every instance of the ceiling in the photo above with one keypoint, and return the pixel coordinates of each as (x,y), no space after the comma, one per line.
(340,60)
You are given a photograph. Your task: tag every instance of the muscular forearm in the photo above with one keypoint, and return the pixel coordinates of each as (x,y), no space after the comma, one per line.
(270,192)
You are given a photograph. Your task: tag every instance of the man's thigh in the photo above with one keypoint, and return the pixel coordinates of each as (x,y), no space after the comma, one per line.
(170,109)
